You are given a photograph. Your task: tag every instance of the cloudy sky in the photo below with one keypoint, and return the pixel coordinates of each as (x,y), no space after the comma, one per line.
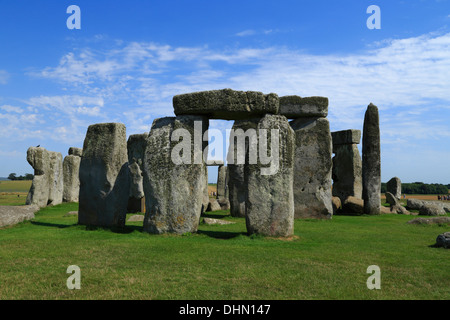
(131,57)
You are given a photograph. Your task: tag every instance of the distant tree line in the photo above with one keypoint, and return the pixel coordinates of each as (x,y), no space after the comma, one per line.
(420,188)
(14,177)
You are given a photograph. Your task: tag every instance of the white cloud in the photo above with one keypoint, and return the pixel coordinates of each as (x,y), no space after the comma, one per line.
(4,76)
(11,109)
(246,33)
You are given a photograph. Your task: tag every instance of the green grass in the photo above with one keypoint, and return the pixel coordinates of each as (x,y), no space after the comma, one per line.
(15,186)
(325,260)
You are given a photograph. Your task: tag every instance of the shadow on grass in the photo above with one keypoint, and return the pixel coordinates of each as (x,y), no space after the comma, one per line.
(221,234)
(56,225)
(124,230)
(213,215)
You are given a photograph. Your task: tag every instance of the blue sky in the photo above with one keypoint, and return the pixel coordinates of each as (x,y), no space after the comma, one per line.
(131,57)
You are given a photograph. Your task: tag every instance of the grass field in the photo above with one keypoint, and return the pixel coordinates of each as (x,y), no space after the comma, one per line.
(14,193)
(325,260)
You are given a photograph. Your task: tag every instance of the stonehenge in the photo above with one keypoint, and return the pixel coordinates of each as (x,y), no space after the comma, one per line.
(279,166)
(47,186)
(347,164)
(394,186)
(71,171)
(104,176)
(371,168)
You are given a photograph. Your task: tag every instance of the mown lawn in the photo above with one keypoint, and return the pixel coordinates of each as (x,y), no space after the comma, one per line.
(325,260)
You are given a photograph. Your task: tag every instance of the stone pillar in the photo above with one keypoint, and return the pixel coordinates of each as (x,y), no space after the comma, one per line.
(104,176)
(269,198)
(174,174)
(136,148)
(394,186)
(47,186)
(71,172)
(313,167)
(371,161)
(239,138)
(347,164)
(221,181)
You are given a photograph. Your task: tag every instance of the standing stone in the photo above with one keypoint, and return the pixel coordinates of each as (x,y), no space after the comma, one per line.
(237,190)
(104,176)
(174,189)
(371,161)
(136,148)
(347,164)
(394,186)
(221,181)
(47,186)
(269,198)
(75,151)
(71,172)
(312,168)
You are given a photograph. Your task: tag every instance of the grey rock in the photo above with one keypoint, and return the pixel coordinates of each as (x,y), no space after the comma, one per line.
(269,197)
(337,204)
(47,186)
(434,220)
(240,137)
(224,203)
(75,152)
(135,149)
(221,181)
(293,107)
(11,215)
(394,186)
(71,180)
(353,205)
(174,192)
(347,172)
(226,104)
(312,168)
(71,213)
(350,136)
(210,221)
(214,162)
(371,161)
(395,205)
(443,240)
(136,218)
(104,176)
(414,204)
(213,205)
(431,209)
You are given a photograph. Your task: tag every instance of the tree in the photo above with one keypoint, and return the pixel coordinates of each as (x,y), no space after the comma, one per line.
(12,176)
(29,176)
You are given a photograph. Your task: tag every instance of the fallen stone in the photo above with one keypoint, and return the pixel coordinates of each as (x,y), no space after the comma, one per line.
(431,209)
(210,221)
(104,176)
(213,205)
(136,218)
(353,205)
(443,240)
(371,163)
(226,104)
(12,215)
(337,205)
(434,220)
(312,168)
(293,107)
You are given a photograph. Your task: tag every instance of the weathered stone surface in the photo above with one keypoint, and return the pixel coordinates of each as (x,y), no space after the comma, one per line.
(210,221)
(226,104)
(174,191)
(238,147)
(347,172)
(71,171)
(135,149)
(416,204)
(213,205)
(224,203)
(353,205)
(11,215)
(293,107)
(394,186)
(434,220)
(350,136)
(136,218)
(47,186)
(312,168)
(395,205)
(75,152)
(371,161)
(214,162)
(221,181)
(104,176)
(443,240)
(337,204)
(269,197)
(431,209)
